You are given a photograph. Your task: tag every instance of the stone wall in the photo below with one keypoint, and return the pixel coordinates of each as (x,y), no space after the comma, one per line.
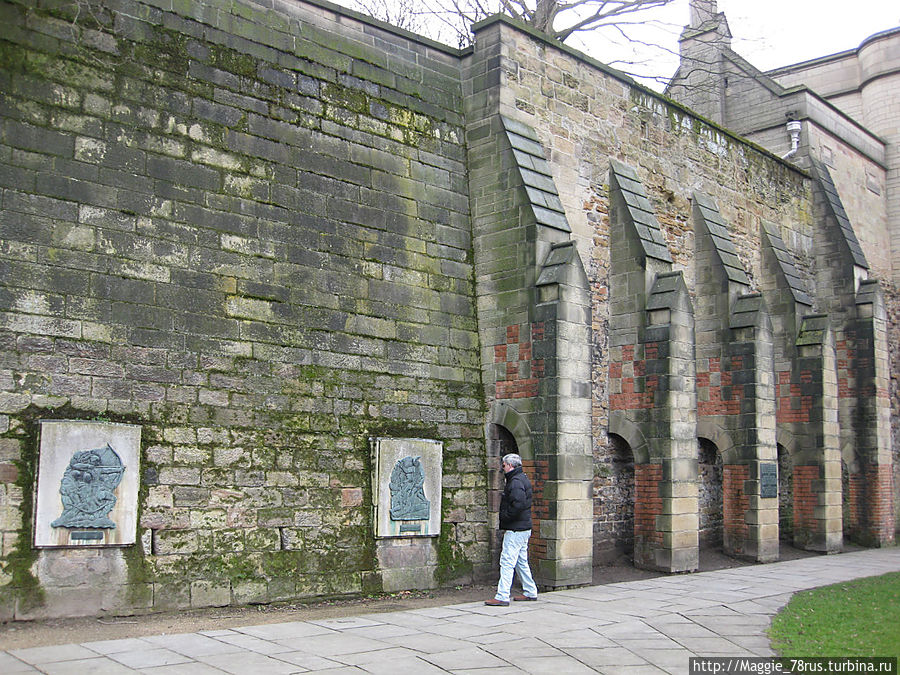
(585,115)
(246,230)
(268,234)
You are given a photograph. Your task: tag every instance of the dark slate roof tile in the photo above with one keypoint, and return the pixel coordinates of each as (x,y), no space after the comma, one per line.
(526,145)
(523,159)
(516,127)
(786,262)
(552,219)
(538,180)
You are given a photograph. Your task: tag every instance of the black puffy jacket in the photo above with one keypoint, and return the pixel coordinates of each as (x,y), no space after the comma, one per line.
(515,504)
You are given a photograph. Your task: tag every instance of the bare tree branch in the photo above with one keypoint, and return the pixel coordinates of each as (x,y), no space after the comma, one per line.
(543,15)
(450,21)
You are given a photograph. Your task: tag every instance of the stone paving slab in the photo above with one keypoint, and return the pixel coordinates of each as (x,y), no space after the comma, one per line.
(40,655)
(95,666)
(195,668)
(649,627)
(11,664)
(150,657)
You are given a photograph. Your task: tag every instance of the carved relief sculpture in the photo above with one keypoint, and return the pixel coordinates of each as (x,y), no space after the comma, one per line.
(88,488)
(408,501)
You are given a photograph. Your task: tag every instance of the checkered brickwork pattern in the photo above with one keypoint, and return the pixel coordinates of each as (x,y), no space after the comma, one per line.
(518,372)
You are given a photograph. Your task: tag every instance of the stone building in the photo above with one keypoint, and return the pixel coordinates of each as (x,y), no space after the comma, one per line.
(280,284)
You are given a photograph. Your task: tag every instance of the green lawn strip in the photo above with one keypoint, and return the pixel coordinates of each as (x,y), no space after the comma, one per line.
(856,618)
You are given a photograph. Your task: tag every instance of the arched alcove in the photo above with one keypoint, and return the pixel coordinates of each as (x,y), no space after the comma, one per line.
(710,493)
(785,494)
(614,495)
(500,442)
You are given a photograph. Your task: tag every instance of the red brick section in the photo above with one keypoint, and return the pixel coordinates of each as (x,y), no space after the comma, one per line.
(721,398)
(846,369)
(795,405)
(856,495)
(735,505)
(538,470)
(522,373)
(850,365)
(870,504)
(805,498)
(631,397)
(881,502)
(647,506)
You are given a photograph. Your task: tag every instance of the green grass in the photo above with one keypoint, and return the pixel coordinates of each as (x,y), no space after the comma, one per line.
(857,618)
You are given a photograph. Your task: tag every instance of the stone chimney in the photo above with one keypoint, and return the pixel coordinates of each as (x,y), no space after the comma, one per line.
(702,11)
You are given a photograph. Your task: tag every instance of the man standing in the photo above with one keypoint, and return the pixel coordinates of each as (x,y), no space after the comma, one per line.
(515,519)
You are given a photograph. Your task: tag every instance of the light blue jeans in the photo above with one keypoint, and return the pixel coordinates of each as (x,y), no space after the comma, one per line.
(514,557)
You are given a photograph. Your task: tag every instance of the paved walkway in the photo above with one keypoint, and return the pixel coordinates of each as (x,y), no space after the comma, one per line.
(649,626)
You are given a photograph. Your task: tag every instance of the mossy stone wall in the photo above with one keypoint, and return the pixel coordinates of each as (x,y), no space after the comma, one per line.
(245,229)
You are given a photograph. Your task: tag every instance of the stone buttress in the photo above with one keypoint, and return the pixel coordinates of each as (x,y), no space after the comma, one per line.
(534,318)
(856,304)
(806,403)
(735,387)
(652,379)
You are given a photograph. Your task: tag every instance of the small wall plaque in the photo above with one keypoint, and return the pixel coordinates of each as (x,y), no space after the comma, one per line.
(407,486)
(90,535)
(768,480)
(87,484)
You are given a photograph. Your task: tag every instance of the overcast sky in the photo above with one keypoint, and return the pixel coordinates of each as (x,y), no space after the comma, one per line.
(768,33)
(772,33)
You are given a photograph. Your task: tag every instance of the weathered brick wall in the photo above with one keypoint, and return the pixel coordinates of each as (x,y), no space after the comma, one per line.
(614,501)
(806,501)
(715,392)
(246,230)
(736,503)
(648,507)
(713,499)
(521,372)
(538,472)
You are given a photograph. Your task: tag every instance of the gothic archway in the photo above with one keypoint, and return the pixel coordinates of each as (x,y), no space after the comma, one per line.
(614,497)
(500,442)
(785,495)
(710,494)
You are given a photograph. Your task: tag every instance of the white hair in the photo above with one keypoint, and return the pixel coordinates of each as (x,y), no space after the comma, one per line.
(512,459)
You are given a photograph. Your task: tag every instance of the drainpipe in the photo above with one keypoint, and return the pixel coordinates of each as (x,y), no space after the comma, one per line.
(793,128)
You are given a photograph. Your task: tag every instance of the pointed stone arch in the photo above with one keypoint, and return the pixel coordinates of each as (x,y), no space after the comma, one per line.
(720,437)
(504,415)
(632,434)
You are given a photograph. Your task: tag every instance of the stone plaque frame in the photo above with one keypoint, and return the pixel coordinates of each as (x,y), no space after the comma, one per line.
(60,440)
(393,457)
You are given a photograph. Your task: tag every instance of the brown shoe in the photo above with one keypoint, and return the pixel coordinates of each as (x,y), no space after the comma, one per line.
(493,602)
(523,598)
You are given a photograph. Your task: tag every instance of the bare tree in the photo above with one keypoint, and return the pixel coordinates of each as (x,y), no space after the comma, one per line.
(576,15)
(559,19)
(404,14)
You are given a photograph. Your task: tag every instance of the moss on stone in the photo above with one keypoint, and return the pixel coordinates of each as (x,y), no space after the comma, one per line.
(25,585)
(345,97)
(452,562)
(232,61)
